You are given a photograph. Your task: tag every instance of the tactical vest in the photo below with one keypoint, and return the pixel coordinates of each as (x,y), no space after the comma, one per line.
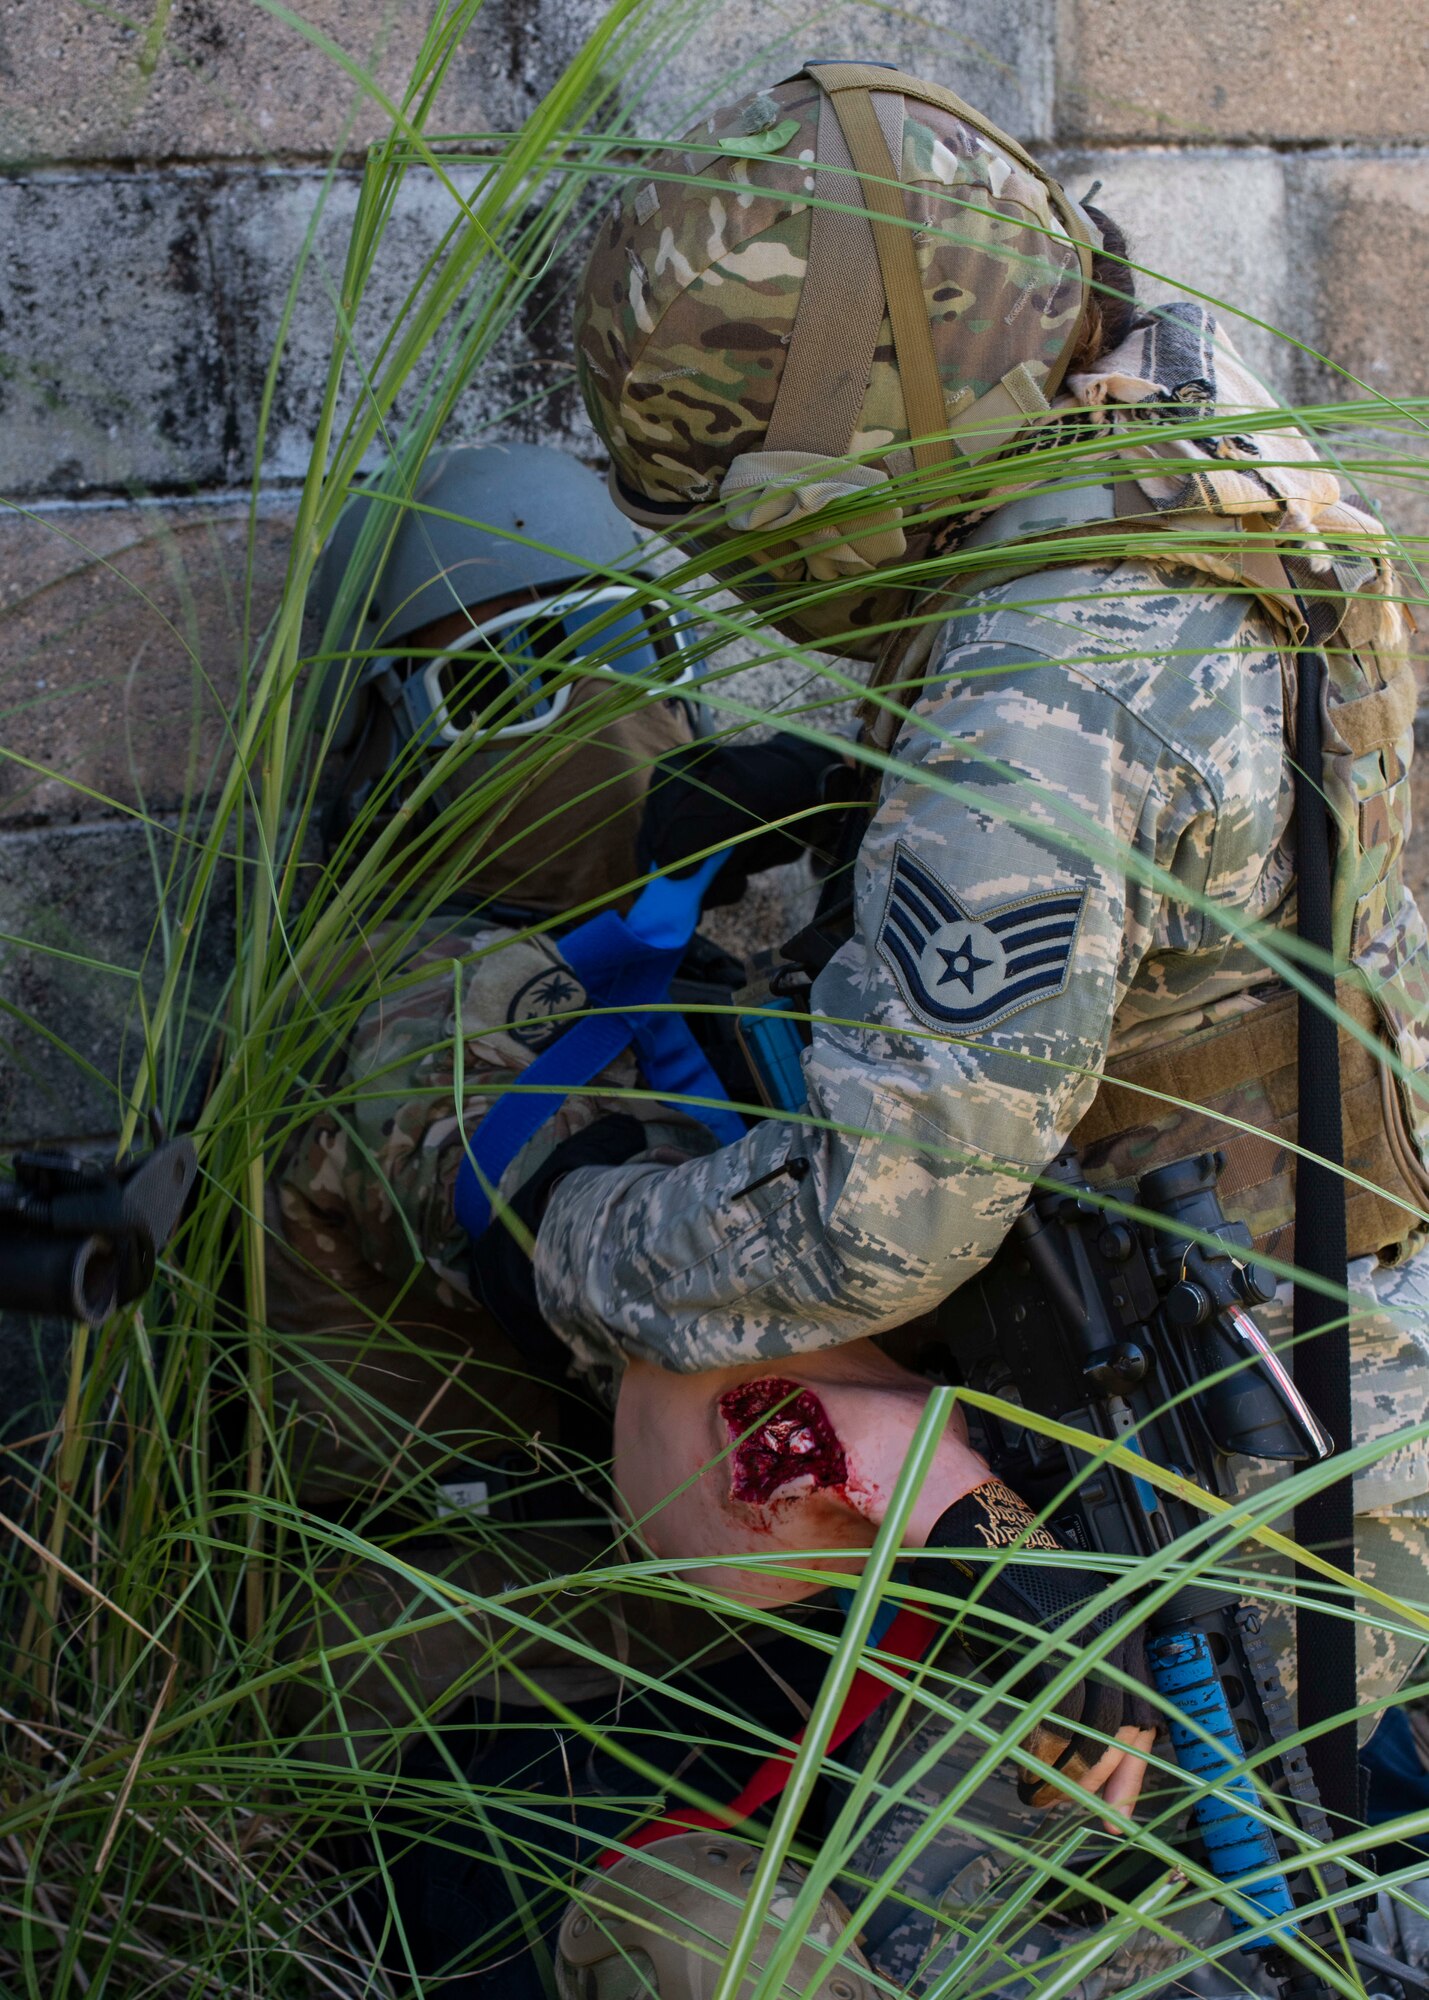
(1232,1083)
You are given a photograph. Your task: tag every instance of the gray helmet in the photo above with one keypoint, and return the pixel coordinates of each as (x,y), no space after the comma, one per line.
(661,1922)
(485,520)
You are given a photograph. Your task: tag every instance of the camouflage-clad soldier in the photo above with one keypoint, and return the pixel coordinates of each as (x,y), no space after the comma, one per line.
(1083,814)
(1080,856)
(430,598)
(458,615)
(1082,847)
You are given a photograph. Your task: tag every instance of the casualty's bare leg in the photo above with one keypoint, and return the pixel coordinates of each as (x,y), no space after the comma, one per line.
(802,1453)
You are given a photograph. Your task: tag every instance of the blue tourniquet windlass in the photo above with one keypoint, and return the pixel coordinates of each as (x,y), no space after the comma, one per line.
(625,964)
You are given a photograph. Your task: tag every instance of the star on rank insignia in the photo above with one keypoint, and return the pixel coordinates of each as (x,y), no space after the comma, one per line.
(969,970)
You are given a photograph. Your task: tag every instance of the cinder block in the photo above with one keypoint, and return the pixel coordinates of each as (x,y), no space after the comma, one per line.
(80,914)
(1360,241)
(1359,233)
(1211,224)
(226,79)
(140,314)
(1241,69)
(116,337)
(527,386)
(121,636)
(996,54)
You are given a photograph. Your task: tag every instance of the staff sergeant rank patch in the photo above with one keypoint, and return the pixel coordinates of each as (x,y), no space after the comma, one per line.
(961,971)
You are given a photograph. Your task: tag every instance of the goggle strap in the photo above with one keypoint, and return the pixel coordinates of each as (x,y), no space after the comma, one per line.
(428,712)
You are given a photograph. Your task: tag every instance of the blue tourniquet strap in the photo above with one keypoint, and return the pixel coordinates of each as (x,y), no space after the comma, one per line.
(625,963)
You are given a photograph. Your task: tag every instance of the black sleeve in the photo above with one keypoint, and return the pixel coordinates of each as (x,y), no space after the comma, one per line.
(709,795)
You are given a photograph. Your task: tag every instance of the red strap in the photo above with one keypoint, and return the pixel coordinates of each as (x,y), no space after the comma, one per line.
(907,1638)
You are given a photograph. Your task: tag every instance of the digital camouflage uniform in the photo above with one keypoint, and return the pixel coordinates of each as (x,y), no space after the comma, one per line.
(1037,771)
(1097,770)
(1106,750)
(1091,799)
(1081,717)
(396,1366)
(1093,787)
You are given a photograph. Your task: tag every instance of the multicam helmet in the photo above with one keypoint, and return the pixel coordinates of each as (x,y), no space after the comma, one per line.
(753,359)
(660,1923)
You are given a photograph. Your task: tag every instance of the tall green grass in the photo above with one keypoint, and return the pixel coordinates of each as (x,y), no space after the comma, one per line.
(188,1759)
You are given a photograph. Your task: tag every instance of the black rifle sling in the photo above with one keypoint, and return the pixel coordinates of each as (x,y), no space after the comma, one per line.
(1325,1522)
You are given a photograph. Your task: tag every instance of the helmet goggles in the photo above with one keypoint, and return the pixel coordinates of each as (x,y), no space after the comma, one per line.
(512,675)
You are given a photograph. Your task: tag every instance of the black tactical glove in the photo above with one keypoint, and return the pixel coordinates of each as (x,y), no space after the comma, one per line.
(1041,1595)
(502,1275)
(705,796)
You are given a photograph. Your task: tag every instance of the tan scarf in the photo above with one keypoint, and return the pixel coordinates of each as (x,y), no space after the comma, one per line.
(1177,369)
(1174,370)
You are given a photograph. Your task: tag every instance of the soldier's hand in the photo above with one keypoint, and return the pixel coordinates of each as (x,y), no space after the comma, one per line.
(1116,1777)
(502,1276)
(709,795)
(1043,1595)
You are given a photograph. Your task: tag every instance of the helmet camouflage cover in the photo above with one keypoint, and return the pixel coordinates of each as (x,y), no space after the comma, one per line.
(660,1922)
(752,358)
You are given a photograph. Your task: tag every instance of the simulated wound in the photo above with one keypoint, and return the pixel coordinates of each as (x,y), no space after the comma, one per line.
(780,1432)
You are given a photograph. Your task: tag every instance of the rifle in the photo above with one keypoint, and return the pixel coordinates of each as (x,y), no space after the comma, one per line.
(79,1237)
(1132,1332)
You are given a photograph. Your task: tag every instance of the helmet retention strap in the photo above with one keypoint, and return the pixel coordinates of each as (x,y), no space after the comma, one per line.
(919,375)
(829,364)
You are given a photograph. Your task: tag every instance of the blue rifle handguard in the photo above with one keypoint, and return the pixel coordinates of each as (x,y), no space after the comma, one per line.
(1236,1840)
(775,1049)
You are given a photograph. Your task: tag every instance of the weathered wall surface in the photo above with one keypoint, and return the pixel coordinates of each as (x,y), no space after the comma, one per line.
(156,185)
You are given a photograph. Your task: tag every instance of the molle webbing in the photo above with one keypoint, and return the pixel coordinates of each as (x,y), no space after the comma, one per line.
(1369,721)
(1244,1068)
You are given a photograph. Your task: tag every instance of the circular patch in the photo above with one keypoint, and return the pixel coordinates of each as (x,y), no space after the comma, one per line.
(542,1009)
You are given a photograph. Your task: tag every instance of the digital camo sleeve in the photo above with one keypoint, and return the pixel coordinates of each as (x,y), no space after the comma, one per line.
(959,1040)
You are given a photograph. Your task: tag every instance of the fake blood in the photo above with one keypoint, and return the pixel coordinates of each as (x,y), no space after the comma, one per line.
(789,1437)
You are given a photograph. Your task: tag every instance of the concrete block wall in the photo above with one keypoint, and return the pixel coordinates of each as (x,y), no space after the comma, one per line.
(157,181)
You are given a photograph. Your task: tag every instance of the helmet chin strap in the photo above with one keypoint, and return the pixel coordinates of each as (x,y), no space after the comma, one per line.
(406,724)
